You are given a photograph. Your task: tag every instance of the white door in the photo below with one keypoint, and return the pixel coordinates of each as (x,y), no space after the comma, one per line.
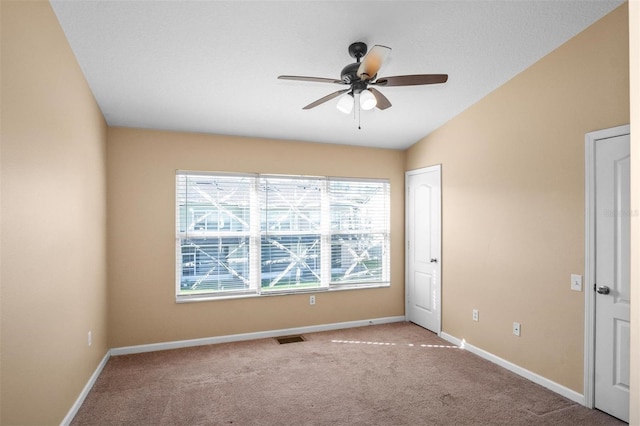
(423,247)
(612,220)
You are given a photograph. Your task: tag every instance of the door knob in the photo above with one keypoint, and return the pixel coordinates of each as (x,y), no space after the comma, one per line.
(434,260)
(603,289)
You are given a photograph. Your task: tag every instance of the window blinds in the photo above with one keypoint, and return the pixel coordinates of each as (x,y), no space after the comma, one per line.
(261,233)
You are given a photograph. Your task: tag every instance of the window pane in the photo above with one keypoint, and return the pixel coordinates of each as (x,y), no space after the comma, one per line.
(357,258)
(359,206)
(359,231)
(290,261)
(214,264)
(290,228)
(290,204)
(213,204)
(213,233)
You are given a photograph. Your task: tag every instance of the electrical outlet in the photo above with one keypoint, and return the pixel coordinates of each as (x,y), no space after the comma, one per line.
(516,328)
(576,282)
(312,299)
(475,315)
(89,339)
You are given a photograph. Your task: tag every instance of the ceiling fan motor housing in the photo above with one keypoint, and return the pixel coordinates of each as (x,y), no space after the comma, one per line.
(349,73)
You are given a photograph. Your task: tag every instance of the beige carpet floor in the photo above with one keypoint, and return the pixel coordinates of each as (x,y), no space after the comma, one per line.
(389,374)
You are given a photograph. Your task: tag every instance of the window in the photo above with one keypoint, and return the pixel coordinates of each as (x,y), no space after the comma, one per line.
(259,234)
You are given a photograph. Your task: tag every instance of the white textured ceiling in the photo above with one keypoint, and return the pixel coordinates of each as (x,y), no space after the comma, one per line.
(211,66)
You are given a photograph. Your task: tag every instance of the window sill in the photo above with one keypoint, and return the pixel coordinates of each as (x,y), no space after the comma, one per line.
(210,297)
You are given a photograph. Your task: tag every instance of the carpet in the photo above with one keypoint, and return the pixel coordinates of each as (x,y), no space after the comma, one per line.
(389,374)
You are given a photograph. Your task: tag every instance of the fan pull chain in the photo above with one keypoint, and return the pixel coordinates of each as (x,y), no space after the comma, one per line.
(359,114)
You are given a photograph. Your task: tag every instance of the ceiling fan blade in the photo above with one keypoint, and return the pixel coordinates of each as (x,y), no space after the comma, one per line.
(381,100)
(372,62)
(312,79)
(412,80)
(326,98)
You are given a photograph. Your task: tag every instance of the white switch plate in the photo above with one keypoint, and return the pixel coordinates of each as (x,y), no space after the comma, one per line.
(312,299)
(475,315)
(576,282)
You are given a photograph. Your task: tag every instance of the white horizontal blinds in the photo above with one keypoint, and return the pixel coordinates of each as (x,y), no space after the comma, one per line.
(290,210)
(359,231)
(261,234)
(213,232)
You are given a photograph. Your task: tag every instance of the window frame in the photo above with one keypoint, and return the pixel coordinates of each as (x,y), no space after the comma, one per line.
(256,234)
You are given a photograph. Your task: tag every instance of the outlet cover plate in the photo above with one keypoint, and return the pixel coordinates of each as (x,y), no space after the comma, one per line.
(516,328)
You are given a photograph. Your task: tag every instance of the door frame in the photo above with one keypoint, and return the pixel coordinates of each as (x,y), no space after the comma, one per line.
(591,139)
(428,169)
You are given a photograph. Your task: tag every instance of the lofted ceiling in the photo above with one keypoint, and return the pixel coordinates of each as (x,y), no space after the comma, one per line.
(212,66)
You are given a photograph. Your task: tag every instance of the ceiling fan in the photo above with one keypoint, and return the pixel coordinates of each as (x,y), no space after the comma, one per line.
(362,74)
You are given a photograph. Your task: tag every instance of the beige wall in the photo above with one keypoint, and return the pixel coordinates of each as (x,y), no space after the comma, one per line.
(53,220)
(141,223)
(513,201)
(634,74)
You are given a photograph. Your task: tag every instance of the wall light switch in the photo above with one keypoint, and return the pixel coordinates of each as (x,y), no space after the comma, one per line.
(576,282)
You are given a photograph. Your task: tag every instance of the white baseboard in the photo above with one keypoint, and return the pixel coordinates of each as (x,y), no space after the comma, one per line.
(126,350)
(529,375)
(85,391)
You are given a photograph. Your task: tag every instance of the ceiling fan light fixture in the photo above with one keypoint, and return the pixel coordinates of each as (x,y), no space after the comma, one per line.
(345,103)
(367,100)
